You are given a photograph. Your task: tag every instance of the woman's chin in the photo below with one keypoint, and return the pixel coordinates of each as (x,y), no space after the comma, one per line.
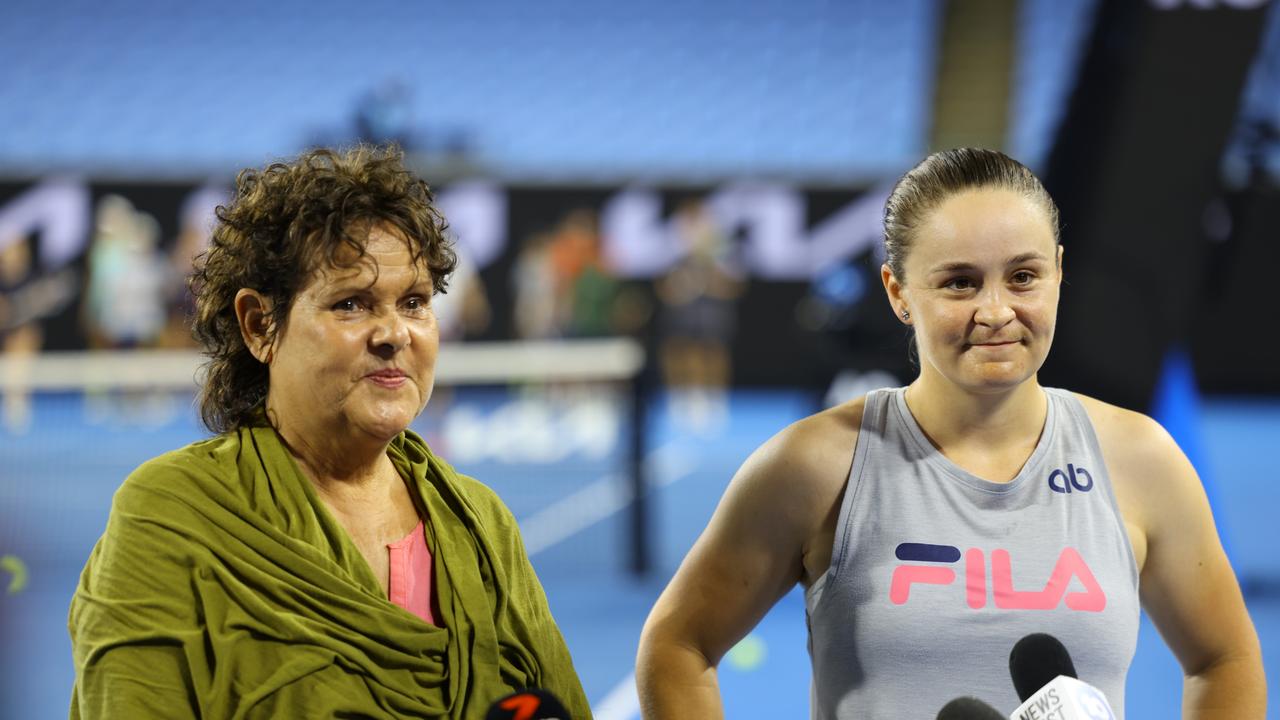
(998,377)
(386,426)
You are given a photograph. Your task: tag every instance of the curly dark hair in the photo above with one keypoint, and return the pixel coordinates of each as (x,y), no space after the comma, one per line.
(283,223)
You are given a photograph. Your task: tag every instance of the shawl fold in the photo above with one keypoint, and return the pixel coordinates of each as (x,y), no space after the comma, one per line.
(222,587)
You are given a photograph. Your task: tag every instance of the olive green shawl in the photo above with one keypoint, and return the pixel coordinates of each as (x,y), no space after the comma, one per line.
(223,588)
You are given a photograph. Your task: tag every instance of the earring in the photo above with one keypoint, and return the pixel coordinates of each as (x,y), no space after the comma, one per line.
(906,315)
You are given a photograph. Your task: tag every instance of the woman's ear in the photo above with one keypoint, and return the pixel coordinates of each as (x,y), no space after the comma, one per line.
(1060,251)
(893,289)
(253,312)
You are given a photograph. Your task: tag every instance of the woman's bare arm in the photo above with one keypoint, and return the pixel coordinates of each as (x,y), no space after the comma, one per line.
(1187,585)
(766,535)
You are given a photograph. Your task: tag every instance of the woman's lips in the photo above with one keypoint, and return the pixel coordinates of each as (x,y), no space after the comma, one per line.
(995,345)
(388,378)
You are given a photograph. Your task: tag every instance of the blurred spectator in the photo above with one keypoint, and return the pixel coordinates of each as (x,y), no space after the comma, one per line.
(124,304)
(588,290)
(563,287)
(463,310)
(20,334)
(698,299)
(197,218)
(534,286)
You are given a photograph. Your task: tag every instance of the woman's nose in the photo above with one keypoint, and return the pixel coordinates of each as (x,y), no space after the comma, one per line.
(391,332)
(993,309)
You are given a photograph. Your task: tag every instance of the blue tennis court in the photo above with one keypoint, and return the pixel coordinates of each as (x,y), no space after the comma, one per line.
(557,458)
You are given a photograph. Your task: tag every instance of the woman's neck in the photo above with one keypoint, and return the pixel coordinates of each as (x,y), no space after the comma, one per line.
(340,463)
(954,417)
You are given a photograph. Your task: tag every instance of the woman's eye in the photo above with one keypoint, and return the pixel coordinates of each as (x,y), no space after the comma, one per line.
(1022,277)
(348,305)
(416,303)
(960,283)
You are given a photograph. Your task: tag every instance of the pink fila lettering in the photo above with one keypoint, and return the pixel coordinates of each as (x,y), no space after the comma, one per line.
(1070,564)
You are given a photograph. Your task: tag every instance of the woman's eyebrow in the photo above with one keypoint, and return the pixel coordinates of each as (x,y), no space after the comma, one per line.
(1027,257)
(419,288)
(953,267)
(965,267)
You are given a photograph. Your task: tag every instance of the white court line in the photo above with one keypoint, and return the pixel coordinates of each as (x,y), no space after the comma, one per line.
(589,505)
(622,702)
(574,513)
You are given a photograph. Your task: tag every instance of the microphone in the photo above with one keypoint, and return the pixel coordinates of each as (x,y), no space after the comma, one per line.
(968,708)
(528,704)
(1035,660)
(1045,679)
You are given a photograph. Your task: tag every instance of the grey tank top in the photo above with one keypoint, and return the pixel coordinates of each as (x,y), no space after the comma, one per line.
(936,573)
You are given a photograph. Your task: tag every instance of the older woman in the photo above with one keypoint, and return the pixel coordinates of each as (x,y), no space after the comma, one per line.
(314,558)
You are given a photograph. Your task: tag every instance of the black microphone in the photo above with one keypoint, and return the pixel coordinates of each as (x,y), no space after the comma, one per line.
(1036,660)
(968,708)
(1046,681)
(528,704)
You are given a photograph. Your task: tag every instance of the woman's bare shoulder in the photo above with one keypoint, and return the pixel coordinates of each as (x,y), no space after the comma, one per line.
(1126,433)
(834,430)
(812,454)
(1142,458)
(795,479)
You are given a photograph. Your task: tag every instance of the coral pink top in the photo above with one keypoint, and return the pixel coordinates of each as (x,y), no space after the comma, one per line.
(412,582)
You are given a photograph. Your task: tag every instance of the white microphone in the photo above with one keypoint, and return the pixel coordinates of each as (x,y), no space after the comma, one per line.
(1065,698)
(1046,682)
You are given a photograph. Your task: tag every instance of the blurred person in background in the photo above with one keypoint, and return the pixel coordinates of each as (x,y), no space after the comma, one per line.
(563,287)
(588,289)
(20,333)
(533,283)
(871,505)
(197,222)
(124,304)
(464,311)
(696,319)
(314,558)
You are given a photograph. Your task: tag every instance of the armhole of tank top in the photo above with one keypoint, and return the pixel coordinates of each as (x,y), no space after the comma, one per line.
(1078,410)
(874,406)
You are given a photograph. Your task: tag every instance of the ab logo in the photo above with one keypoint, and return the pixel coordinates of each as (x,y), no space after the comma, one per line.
(1073,477)
(1070,565)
